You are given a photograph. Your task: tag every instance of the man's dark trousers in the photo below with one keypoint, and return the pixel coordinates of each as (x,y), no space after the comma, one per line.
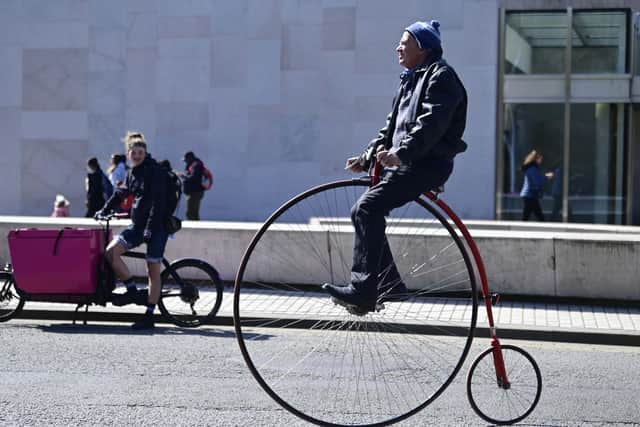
(193,205)
(371,251)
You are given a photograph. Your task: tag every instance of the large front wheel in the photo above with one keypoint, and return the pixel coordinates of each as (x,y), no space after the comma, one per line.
(332,366)
(10,302)
(191,293)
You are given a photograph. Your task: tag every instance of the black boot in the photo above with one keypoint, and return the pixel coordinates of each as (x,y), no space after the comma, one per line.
(145,323)
(131,296)
(351,296)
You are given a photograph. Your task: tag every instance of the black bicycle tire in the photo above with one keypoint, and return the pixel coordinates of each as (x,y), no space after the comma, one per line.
(472,401)
(18,309)
(215,278)
(363,182)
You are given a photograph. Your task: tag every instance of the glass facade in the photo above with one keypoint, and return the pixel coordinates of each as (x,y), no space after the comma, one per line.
(597,170)
(636,35)
(599,42)
(529,127)
(580,117)
(535,42)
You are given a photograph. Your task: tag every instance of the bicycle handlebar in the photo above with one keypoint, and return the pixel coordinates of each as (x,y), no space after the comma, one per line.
(111,215)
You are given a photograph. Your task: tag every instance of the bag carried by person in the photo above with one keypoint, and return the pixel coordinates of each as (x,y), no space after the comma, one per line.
(107,187)
(207,178)
(174,191)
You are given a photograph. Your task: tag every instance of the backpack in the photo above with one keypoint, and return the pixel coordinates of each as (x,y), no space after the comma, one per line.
(207,178)
(107,187)
(174,191)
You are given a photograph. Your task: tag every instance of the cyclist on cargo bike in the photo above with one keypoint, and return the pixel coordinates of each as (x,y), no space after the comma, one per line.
(147,183)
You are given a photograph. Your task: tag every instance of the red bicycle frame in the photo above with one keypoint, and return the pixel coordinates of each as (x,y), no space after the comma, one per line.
(498,360)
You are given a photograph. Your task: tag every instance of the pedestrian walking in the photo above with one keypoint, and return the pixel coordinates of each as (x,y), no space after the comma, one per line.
(97,186)
(533,185)
(192,178)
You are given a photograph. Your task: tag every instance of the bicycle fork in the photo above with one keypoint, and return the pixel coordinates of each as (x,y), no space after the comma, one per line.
(498,359)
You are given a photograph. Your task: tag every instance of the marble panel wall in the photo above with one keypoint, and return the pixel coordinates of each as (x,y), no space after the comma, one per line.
(49,167)
(10,160)
(272,94)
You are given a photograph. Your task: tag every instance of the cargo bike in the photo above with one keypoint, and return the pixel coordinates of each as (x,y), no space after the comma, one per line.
(69,266)
(348,367)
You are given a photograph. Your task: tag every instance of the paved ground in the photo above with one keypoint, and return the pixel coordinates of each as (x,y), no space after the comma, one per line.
(553,321)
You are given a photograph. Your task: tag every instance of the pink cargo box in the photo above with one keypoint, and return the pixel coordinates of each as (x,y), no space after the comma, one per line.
(50,262)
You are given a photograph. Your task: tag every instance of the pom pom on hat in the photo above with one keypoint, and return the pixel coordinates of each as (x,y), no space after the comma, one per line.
(427,34)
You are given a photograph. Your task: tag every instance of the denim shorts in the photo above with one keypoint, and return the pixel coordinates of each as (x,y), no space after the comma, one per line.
(132,237)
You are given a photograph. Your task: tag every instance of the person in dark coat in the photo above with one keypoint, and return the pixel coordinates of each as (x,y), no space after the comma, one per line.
(423,134)
(192,185)
(94,184)
(149,213)
(533,186)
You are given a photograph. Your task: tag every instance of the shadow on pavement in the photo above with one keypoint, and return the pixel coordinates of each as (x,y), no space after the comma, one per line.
(158,330)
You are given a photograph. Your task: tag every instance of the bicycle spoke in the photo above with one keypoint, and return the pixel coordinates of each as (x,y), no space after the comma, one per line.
(371,368)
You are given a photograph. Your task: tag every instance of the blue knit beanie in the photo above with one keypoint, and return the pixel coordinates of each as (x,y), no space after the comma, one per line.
(427,34)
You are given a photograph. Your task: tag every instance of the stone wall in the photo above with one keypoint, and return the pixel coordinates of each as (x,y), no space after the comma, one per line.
(272,94)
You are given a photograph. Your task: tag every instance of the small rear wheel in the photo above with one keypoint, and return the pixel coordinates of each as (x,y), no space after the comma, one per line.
(500,404)
(191,293)
(10,302)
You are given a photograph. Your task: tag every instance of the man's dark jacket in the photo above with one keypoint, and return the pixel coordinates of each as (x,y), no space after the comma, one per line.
(148,185)
(192,178)
(437,117)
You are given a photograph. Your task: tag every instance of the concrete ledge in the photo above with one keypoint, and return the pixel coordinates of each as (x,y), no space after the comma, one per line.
(546,260)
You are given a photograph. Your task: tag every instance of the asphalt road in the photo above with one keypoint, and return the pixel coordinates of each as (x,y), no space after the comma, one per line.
(53,373)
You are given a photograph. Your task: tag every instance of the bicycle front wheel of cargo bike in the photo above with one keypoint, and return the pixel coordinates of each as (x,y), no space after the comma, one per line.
(191,293)
(10,302)
(332,366)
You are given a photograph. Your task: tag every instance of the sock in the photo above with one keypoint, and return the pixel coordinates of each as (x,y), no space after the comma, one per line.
(131,287)
(150,308)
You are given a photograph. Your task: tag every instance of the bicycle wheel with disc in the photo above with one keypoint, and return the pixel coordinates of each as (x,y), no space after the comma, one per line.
(191,293)
(504,404)
(10,302)
(331,366)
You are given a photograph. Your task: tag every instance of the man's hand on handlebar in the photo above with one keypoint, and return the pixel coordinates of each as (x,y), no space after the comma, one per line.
(353,165)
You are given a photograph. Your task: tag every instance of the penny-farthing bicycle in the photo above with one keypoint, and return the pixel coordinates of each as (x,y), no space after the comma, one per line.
(333,367)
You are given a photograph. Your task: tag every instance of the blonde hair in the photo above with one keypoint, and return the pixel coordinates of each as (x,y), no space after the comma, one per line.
(531,157)
(134,139)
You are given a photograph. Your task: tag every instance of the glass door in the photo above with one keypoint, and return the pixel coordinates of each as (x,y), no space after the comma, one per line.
(597,173)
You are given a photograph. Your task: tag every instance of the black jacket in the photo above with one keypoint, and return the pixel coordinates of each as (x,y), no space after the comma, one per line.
(438,115)
(148,184)
(192,178)
(95,192)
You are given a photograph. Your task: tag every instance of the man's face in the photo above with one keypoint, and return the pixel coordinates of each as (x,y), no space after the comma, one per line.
(409,54)
(136,155)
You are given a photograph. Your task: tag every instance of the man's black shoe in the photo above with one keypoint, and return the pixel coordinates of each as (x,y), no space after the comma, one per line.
(130,297)
(145,323)
(350,297)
